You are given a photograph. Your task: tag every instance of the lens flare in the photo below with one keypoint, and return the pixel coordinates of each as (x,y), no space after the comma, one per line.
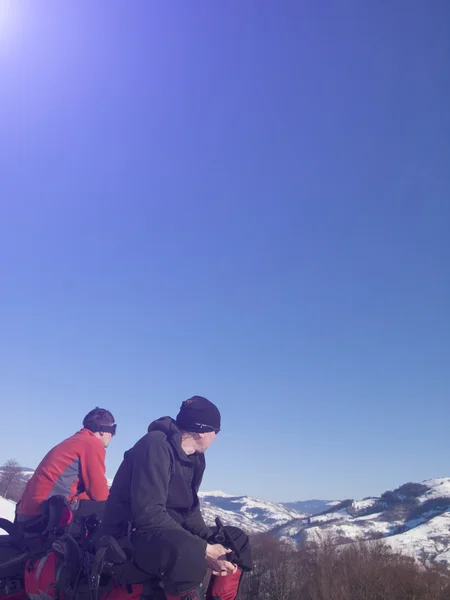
(8,9)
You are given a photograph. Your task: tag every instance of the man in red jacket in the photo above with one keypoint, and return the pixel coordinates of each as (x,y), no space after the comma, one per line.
(74,469)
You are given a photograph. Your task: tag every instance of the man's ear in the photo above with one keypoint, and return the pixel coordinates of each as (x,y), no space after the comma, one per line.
(200,435)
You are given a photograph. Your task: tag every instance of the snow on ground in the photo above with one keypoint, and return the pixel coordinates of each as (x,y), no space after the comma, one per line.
(437,488)
(331,516)
(251,514)
(228,517)
(216,494)
(276,511)
(349,530)
(7,511)
(364,504)
(431,538)
(427,535)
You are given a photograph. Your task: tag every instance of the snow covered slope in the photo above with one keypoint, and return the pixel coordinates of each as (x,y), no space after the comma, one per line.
(414,519)
(310,507)
(250,514)
(7,511)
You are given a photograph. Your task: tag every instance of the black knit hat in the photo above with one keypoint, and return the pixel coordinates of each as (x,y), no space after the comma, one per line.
(198,414)
(99,419)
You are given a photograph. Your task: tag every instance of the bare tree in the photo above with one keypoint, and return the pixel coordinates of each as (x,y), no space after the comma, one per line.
(275,574)
(357,571)
(10,475)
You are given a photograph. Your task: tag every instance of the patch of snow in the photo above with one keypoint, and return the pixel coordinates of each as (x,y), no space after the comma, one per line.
(7,511)
(428,540)
(436,488)
(216,494)
(364,504)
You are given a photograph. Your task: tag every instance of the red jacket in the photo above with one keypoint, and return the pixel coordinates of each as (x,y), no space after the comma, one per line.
(75,467)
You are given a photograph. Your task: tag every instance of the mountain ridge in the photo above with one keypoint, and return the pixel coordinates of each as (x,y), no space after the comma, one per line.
(413,519)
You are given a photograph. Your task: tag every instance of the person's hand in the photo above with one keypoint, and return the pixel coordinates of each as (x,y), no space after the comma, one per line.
(221,567)
(216,557)
(215,551)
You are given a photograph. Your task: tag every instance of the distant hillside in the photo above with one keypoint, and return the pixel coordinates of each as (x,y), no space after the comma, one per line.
(251,514)
(310,507)
(413,519)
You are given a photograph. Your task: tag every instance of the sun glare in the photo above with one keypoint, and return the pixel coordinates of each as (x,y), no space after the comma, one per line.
(6,17)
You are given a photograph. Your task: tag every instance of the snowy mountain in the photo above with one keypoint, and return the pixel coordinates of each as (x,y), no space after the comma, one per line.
(311,507)
(250,514)
(413,519)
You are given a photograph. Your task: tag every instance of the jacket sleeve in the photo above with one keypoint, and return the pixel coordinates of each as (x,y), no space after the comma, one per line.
(195,524)
(93,472)
(194,521)
(149,490)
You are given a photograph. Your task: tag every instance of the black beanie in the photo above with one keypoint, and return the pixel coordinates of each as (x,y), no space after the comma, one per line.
(198,414)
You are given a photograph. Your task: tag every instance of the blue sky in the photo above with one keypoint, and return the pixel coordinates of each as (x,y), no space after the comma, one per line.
(244,200)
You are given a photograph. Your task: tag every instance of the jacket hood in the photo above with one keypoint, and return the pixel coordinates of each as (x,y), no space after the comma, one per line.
(168,426)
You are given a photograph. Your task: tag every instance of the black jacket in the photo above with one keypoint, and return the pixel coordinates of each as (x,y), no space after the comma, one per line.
(156,486)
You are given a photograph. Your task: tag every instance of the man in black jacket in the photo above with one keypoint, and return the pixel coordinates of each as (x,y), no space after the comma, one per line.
(154,499)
